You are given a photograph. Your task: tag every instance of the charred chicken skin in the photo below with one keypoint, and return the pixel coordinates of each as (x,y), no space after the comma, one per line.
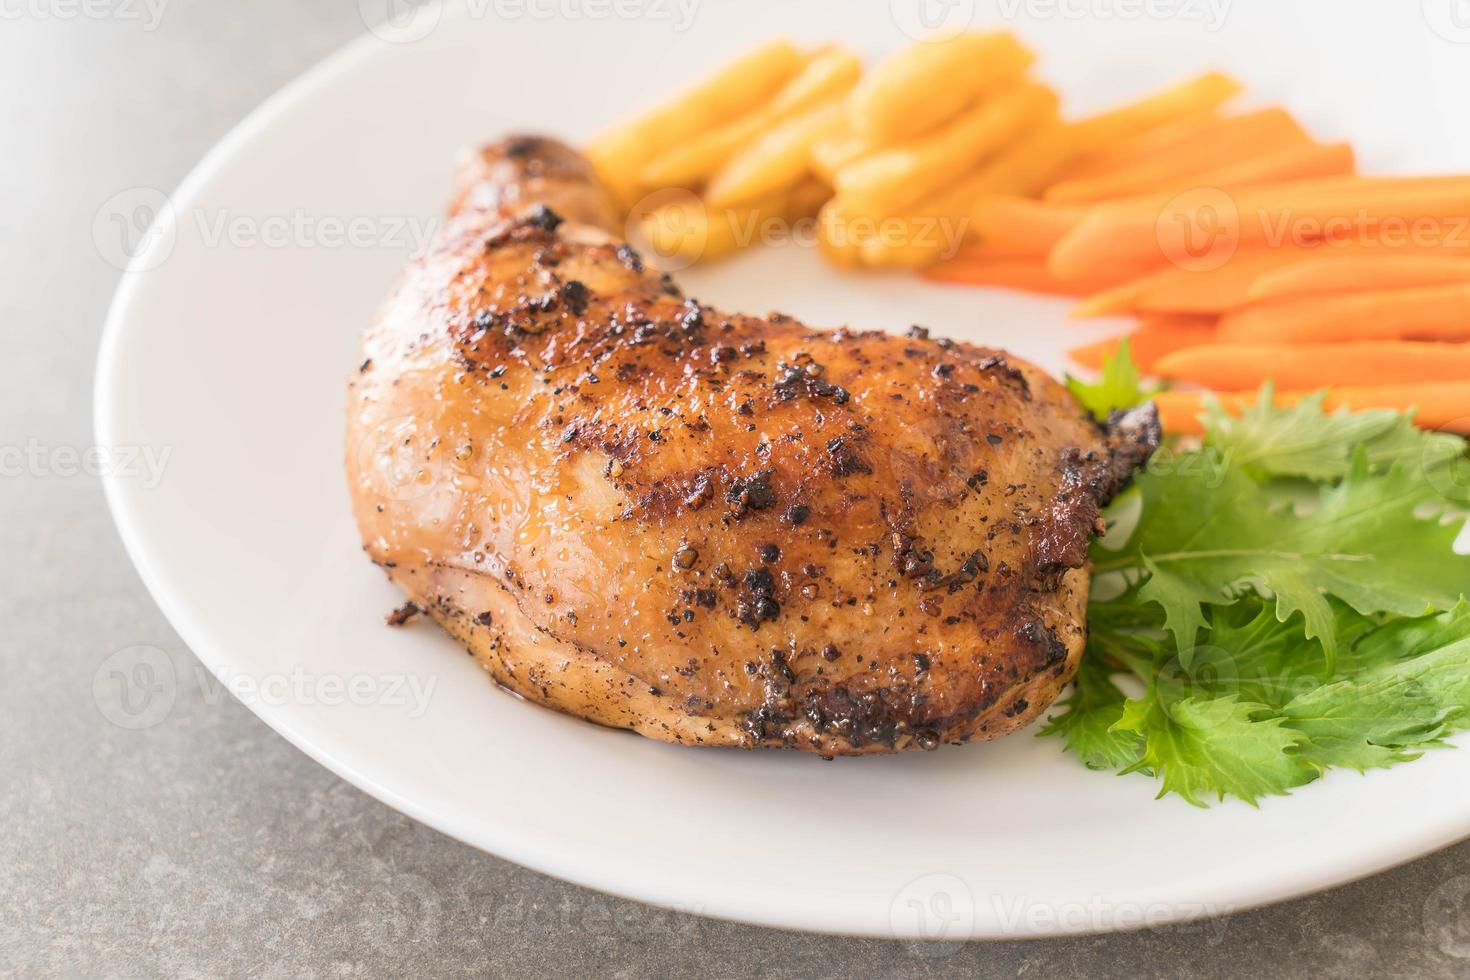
(711,528)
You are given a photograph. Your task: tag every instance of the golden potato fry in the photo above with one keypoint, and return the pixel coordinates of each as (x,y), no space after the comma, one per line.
(687,231)
(620,154)
(1197,95)
(806,198)
(835,237)
(776,161)
(930,82)
(887,182)
(1026,166)
(829,75)
(837,151)
(937,226)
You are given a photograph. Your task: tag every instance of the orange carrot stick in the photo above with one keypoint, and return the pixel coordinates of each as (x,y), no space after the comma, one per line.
(1336,272)
(1179,101)
(1029,275)
(1443,405)
(1289,164)
(1178,228)
(1420,313)
(1236,367)
(1020,227)
(1132,150)
(1153,338)
(1217,290)
(1200,291)
(1229,141)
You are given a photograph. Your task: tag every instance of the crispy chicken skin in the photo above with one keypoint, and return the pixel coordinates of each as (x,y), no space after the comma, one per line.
(712,528)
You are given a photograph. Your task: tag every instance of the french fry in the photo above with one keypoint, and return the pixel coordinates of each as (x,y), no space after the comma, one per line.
(1143,230)
(835,226)
(1023,168)
(1149,341)
(690,231)
(1028,275)
(928,83)
(1230,141)
(888,181)
(835,152)
(807,197)
(1359,271)
(1208,91)
(1441,405)
(829,75)
(1018,227)
(937,225)
(1420,313)
(776,161)
(1236,367)
(620,154)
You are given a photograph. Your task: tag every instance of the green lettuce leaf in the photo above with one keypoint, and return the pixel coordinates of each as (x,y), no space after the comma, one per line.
(1118,387)
(1217,747)
(1092,710)
(1303,440)
(1286,596)
(1214,536)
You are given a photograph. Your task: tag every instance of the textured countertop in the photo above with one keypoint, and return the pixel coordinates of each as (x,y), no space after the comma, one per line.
(205,844)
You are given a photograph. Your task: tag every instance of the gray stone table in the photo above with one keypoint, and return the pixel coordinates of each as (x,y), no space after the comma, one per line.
(206,845)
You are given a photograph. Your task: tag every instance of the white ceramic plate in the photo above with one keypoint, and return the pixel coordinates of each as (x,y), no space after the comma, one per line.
(230,341)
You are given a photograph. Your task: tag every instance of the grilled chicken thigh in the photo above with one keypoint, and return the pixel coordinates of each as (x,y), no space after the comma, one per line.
(712,528)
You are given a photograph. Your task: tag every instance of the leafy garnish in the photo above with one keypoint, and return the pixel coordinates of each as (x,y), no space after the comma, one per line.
(1287,599)
(1211,747)
(1304,441)
(1090,727)
(1118,387)
(1210,534)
